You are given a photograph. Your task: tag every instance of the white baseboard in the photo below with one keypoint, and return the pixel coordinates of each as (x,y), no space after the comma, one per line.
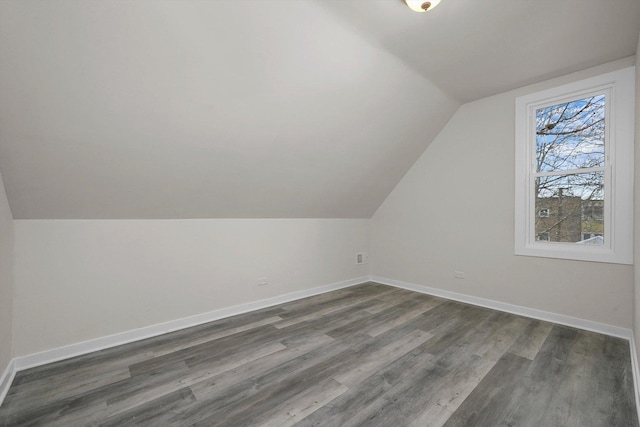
(77,349)
(636,372)
(6,379)
(49,356)
(561,319)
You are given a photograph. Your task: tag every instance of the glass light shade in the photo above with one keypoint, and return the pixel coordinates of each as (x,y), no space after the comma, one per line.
(421,5)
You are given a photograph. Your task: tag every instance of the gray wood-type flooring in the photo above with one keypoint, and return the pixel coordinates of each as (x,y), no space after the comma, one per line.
(367,355)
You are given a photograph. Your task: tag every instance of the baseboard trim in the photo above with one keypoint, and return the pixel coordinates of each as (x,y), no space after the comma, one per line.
(561,319)
(6,379)
(636,372)
(48,356)
(77,349)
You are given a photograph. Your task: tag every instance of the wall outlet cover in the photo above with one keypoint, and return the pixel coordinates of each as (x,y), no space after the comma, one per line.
(362,258)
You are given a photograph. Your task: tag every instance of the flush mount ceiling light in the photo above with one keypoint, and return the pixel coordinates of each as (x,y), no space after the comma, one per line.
(421,5)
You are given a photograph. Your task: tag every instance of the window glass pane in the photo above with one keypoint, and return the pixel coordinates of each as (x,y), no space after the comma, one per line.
(574,208)
(571,135)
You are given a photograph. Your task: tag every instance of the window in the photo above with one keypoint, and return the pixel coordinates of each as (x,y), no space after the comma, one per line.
(543,237)
(593,210)
(574,170)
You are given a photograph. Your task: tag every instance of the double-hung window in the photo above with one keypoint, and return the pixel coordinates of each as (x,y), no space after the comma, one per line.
(574,170)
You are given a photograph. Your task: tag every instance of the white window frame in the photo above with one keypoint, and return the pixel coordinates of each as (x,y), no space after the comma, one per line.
(618,222)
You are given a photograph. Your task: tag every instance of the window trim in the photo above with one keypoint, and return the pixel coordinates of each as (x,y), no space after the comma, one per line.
(618,248)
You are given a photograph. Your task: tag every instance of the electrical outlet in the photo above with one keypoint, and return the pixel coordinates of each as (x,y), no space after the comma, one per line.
(458,274)
(263,281)
(362,258)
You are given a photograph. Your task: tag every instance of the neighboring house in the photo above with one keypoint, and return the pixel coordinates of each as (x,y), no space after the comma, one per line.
(569,219)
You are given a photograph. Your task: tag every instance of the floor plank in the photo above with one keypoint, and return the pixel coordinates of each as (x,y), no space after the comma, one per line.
(365,355)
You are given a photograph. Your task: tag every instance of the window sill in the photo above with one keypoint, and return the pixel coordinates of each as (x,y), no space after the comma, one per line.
(571,252)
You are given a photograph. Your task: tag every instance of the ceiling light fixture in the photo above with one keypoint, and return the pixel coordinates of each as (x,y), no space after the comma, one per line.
(421,5)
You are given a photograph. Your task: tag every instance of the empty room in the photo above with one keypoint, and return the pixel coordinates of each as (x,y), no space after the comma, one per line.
(319,213)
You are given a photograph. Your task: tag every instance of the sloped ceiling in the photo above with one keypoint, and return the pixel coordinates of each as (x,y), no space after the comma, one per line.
(265,108)
(476,48)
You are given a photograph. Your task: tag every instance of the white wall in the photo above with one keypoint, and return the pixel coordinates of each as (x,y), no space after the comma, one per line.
(636,249)
(77,280)
(6,279)
(454,210)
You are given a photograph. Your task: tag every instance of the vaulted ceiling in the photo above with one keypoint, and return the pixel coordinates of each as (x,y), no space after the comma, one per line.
(260,108)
